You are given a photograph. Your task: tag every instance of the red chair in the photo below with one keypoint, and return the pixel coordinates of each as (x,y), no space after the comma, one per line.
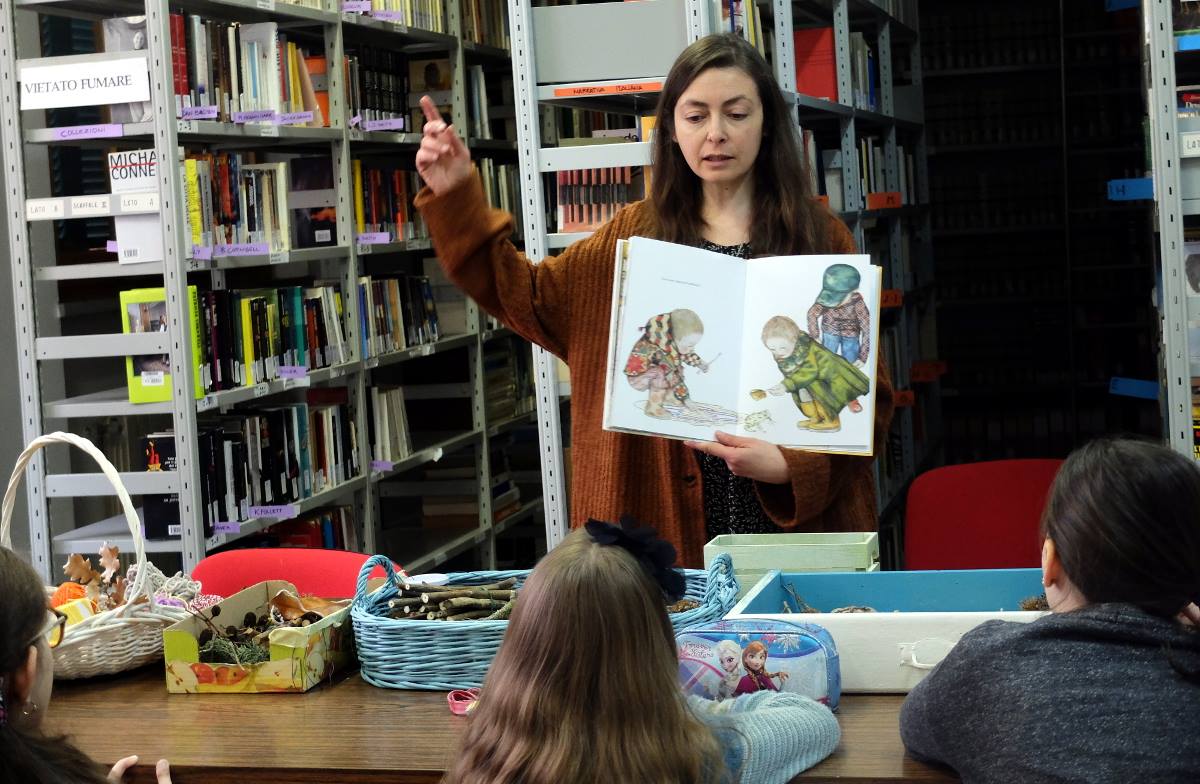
(977,515)
(331,574)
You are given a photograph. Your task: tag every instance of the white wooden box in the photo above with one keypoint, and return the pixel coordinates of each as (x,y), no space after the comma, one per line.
(756,554)
(919,618)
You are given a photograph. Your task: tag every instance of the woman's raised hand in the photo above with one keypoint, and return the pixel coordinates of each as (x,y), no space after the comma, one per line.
(443,160)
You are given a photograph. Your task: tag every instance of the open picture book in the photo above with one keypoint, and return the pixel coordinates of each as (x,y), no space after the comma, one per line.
(782,348)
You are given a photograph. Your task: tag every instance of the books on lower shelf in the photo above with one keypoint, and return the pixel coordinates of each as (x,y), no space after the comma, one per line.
(230,71)
(485,22)
(148,376)
(794,339)
(270,457)
(502,187)
(376,81)
(396,313)
(508,389)
(391,439)
(248,336)
(383,197)
(234,205)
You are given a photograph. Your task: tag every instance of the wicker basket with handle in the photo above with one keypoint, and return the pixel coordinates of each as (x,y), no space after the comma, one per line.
(128,636)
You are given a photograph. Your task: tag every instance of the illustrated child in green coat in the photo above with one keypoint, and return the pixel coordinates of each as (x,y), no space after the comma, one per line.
(656,362)
(820,382)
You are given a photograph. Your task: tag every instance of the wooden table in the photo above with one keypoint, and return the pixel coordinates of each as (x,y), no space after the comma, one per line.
(353,732)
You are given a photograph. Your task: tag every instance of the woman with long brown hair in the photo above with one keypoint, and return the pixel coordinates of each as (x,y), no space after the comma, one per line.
(28,630)
(728,176)
(585,686)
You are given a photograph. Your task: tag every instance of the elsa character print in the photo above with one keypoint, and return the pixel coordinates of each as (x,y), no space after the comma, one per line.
(729,655)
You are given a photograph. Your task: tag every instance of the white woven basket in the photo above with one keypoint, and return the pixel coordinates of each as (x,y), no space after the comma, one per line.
(131,635)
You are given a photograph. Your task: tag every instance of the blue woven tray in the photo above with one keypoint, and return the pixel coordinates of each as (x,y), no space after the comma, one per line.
(405,654)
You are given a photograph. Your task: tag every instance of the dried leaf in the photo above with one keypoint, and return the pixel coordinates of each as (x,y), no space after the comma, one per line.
(291,607)
(109,561)
(93,593)
(79,568)
(118,591)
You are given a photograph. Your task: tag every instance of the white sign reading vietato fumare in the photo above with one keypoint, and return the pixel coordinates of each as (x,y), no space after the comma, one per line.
(84,84)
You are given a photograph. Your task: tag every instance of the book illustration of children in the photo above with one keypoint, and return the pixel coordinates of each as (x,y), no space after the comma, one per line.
(729,655)
(754,659)
(655,364)
(840,319)
(820,382)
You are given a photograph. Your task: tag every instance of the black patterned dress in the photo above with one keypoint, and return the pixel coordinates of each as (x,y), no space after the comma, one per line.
(730,504)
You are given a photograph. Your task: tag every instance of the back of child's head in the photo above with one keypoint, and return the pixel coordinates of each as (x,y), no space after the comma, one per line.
(1124,516)
(585,685)
(780,327)
(26,756)
(685,322)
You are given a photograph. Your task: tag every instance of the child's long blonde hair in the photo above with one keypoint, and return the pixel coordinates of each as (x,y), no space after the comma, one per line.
(585,686)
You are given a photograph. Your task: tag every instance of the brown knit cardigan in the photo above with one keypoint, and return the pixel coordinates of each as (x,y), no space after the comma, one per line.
(563,304)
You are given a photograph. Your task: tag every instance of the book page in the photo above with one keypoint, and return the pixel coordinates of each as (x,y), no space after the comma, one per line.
(674,341)
(810,352)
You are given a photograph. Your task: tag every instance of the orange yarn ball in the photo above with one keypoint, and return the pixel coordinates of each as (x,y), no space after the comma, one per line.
(67,592)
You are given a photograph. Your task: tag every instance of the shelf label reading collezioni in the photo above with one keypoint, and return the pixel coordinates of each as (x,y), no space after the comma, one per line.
(55,86)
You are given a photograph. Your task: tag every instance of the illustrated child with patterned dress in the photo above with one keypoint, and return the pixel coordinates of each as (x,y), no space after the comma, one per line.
(754,659)
(729,654)
(840,318)
(820,382)
(656,363)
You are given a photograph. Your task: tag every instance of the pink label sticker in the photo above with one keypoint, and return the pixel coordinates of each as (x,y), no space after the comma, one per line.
(391,124)
(381,466)
(199,113)
(258,115)
(293,118)
(227,528)
(389,16)
(355,120)
(104,131)
(202,252)
(281,511)
(293,371)
(242,249)
(373,238)
(111,246)
(356,6)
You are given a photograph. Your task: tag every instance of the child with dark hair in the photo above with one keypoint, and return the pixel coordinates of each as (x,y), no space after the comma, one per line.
(1107,686)
(28,630)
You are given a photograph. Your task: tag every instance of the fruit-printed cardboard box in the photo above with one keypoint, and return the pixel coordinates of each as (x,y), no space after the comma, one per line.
(301,657)
(917,616)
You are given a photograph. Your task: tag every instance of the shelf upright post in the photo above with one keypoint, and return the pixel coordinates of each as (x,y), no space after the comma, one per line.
(28,377)
(1164,144)
(170,189)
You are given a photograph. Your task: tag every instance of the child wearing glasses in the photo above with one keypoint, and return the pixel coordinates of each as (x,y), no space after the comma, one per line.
(28,630)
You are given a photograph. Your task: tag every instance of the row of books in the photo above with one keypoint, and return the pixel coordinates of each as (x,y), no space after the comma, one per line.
(490,104)
(232,199)
(265,458)
(828,176)
(396,313)
(383,195)
(986,35)
(486,22)
(423,14)
(585,199)
(502,186)
(387,423)
(333,528)
(238,338)
(376,80)
(744,18)
(508,386)
(999,198)
(1002,114)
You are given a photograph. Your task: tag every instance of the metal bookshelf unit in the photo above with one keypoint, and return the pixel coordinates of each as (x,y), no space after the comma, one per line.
(37,274)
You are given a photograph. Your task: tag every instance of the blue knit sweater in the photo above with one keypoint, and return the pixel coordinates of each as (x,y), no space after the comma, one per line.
(769,737)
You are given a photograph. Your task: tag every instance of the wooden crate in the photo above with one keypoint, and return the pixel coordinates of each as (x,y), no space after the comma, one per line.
(756,554)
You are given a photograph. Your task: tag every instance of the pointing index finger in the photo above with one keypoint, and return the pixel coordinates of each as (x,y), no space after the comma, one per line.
(429,109)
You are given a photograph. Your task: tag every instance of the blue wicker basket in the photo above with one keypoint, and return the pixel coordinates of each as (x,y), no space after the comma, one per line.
(404,654)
